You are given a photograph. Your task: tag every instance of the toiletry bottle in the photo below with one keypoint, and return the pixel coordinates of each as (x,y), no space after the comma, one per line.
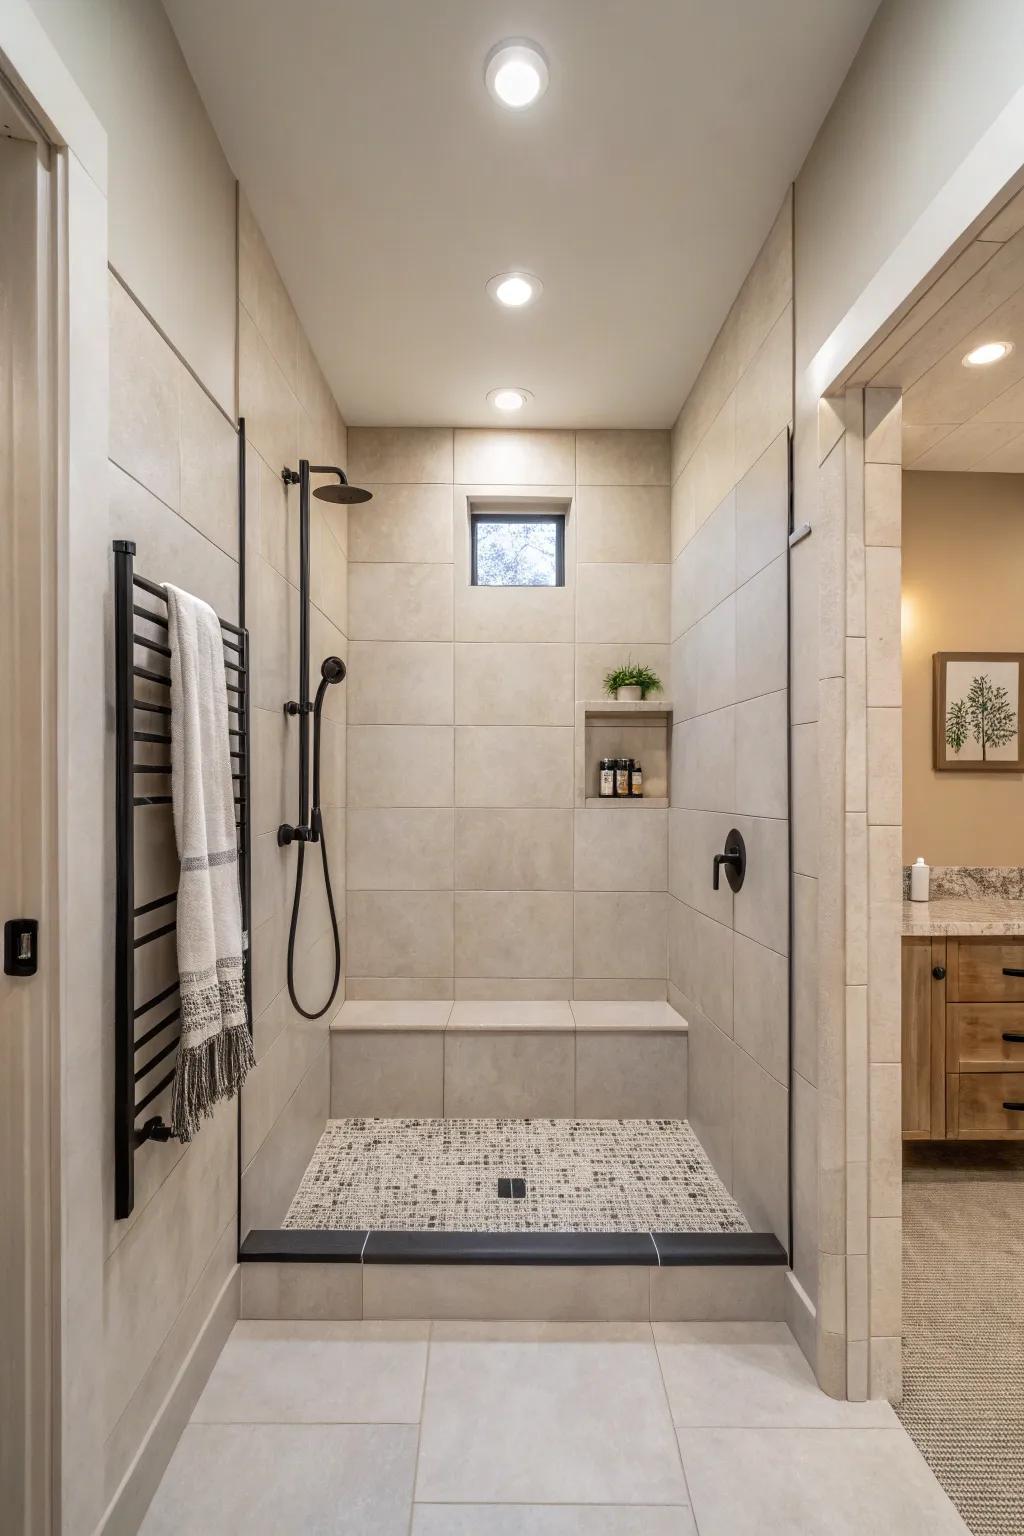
(607,779)
(622,778)
(636,781)
(919,878)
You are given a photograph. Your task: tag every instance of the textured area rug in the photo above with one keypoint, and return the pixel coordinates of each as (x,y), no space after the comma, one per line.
(580,1176)
(963,1348)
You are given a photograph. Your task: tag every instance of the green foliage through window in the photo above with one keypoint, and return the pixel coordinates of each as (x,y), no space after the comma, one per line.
(525,551)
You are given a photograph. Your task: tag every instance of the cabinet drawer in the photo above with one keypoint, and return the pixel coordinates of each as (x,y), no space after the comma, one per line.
(985,1037)
(978,1106)
(987,971)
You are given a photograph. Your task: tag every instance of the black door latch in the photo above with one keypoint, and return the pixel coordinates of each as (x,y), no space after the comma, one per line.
(21,946)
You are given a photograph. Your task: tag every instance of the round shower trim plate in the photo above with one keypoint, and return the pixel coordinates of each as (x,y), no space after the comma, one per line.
(507,73)
(501,398)
(523,289)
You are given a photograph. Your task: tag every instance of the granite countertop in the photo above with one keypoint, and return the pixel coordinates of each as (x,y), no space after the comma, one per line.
(963,916)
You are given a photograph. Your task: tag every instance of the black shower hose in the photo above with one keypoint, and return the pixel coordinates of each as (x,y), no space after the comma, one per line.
(318,827)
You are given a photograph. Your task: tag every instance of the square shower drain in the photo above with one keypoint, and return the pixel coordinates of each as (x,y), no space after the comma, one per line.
(511,1189)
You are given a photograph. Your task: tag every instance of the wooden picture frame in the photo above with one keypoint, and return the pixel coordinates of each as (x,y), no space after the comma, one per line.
(966,679)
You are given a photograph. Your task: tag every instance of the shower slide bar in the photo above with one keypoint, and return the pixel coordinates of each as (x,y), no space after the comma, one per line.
(144,1063)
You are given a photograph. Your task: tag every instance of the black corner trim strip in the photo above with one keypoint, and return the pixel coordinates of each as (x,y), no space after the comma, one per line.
(719,1248)
(510,1248)
(302,1247)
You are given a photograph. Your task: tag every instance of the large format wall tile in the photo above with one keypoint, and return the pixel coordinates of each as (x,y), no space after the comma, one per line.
(620,934)
(517,458)
(701,962)
(402,522)
(621,852)
(400,849)
(513,933)
(761,758)
(270,409)
(622,457)
(400,602)
(513,850)
(761,1005)
(710,1061)
(760,1177)
(761,632)
(400,682)
(622,1077)
(513,613)
(762,510)
(209,467)
(395,1073)
(399,933)
(400,455)
(623,524)
(594,662)
(707,566)
(623,603)
(489,1073)
(514,685)
(528,767)
(395,765)
(144,399)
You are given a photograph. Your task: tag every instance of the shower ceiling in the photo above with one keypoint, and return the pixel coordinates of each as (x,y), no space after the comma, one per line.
(391,186)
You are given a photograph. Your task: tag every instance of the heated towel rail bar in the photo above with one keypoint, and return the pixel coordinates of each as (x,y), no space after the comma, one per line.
(147,1032)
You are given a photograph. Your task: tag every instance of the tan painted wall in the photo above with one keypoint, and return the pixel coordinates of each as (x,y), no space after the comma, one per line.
(963,573)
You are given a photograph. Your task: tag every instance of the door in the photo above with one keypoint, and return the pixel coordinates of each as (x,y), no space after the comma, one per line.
(27,773)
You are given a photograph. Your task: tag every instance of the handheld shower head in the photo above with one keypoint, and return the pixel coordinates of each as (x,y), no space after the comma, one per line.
(333,669)
(342,493)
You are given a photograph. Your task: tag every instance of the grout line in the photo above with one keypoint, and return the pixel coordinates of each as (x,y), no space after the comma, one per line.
(419,1425)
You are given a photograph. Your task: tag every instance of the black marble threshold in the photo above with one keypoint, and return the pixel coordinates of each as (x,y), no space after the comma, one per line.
(658,1248)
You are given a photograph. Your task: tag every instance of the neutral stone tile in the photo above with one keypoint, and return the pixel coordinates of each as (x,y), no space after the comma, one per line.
(514,685)
(717,668)
(803,628)
(281,1067)
(705,766)
(597,989)
(401,682)
(694,839)
(683,672)
(209,467)
(267,1478)
(393,1073)
(268,405)
(767,288)
(760,1178)
(552,1520)
(682,513)
(803,1480)
(622,457)
(710,1096)
(508,1073)
(886,1143)
(513,850)
(514,766)
(399,933)
(886,1276)
(714,462)
(762,510)
(762,787)
(264,295)
(630,1076)
(883,497)
(761,1005)
(513,933)
(302,1292)
(627,603)
(745,1375)
(762,640)
(399,988)
(706,569)
(701,962)
(883,420)
(272,1176)
(620,852)
(391,1014)
(505,1290)
(402,523)
(764,394)
(885,766)
(594,662)
(761,908)
(884,665)
(400,602)
(511,456)
(581,1415)
(623,524)
(317,1373)
(514,613)
(805,1201)
(715,1293)
(504,989)
(639,1016)
(885,1368)
(620,934)
(507,1016)
(144,399)
(404,849)
(400,455)
(804,772)
(395,765)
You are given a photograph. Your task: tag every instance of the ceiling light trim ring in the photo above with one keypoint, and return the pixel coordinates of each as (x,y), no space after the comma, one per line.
(987,353)
(518,275)
(523,69)
(494,397)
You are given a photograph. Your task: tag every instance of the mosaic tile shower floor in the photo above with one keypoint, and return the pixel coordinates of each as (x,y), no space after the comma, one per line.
(580,1176)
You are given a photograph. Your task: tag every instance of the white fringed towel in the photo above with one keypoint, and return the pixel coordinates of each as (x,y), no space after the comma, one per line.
(215,1050)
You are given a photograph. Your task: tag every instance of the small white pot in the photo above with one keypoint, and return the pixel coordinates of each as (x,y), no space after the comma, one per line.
(631,695)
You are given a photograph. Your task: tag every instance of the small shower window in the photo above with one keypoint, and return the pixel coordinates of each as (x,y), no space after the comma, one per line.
(518,549)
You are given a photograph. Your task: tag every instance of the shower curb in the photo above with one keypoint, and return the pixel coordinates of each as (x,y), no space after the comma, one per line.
(656,1250)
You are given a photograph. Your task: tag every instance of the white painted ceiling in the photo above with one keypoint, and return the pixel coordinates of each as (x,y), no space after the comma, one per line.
(390,186)
(957,418)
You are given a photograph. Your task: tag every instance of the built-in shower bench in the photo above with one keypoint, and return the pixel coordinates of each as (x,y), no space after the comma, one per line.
(593,1060)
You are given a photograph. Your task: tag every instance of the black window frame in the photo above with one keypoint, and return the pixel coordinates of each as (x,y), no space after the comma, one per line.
(555,515)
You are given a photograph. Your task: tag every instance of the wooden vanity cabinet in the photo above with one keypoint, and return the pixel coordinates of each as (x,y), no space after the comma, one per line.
(963,1039)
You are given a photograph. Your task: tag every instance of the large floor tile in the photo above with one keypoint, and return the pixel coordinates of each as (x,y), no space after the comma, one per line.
(551,1520)
(812,1482)
(747,1375)
(549,1413)
(318,1373)
(266,1479)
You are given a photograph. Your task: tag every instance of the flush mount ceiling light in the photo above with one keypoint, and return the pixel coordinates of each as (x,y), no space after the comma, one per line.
(516,73)
(509,399)
(514,290)
(988,352)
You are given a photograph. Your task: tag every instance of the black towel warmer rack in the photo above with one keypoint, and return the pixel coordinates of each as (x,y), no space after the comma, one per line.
(134,1086)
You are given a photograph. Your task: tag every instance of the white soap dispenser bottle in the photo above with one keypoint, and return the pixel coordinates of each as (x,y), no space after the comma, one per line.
(919,878)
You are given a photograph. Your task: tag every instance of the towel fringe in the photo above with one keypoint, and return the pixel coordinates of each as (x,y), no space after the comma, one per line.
(208,1073)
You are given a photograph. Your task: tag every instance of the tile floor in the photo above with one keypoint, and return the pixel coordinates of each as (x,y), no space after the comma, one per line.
(536,1429)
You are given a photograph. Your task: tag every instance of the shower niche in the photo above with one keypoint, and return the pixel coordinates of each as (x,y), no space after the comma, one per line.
(640,730)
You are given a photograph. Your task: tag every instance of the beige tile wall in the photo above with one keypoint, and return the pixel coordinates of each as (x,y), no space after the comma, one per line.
(728,955)
(471,871)
(289,413)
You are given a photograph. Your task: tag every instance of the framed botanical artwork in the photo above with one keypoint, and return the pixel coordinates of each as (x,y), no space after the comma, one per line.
(978,699)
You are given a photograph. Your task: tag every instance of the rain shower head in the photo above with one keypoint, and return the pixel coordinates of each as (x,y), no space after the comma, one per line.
(344,493)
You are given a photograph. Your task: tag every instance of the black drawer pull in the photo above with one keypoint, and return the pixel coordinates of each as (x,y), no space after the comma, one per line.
(1013,970)
(1013,1104)
(1013,1039)
(939,972)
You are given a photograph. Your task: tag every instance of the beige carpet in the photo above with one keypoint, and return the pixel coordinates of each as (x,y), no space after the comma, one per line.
(963,1355)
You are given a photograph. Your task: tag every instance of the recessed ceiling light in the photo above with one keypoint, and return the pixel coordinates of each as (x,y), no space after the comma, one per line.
(514,290)
(988,352)
(516,73)
(508,399)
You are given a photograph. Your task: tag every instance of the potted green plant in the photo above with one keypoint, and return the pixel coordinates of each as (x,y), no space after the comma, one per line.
(632,683)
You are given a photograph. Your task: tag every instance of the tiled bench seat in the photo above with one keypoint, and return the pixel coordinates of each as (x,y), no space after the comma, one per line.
(538,1059)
